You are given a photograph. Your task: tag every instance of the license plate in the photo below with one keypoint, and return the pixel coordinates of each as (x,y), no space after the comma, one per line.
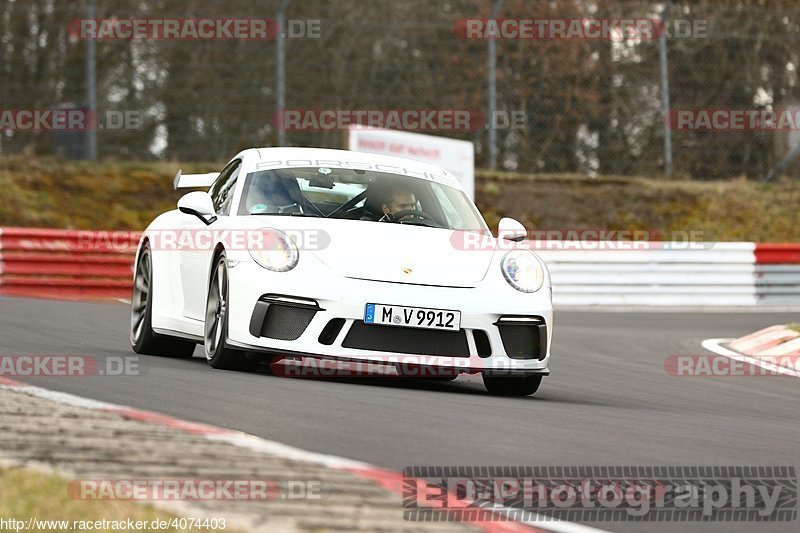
(412,317)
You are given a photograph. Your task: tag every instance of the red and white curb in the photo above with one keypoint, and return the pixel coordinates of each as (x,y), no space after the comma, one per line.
(387,479)
(760,348)
(775,340)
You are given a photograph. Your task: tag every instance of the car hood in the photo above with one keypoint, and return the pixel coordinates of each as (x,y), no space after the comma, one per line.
(397,253)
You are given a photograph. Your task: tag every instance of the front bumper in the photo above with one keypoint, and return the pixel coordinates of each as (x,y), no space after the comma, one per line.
(325,314)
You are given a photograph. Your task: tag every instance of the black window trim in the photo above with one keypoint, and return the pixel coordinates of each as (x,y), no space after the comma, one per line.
(225,176)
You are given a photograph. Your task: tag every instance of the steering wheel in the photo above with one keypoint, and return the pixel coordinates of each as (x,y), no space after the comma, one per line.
(407,213)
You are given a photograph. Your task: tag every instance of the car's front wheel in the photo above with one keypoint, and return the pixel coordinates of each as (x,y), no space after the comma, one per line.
(143,339)
(512,385)
(218,354)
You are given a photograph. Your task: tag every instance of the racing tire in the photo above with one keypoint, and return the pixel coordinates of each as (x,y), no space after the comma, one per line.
(143,339)
(512,385)
(218,354)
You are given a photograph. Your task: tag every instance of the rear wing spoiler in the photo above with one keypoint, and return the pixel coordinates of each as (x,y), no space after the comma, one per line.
(188,181)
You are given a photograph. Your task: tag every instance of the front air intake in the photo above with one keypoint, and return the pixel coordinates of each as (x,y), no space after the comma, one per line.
(331,331)
(524,337)
(282,317)
(406,340)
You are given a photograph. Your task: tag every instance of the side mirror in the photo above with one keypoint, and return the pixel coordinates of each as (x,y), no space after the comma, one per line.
(511,230)
(199,204)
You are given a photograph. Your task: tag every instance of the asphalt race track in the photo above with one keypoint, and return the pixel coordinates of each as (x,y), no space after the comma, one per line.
(609,400)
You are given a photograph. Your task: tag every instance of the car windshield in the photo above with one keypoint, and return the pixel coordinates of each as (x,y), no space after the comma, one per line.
(356,194)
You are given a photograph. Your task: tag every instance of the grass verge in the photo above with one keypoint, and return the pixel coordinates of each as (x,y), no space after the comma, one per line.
(26,494)
(48,192)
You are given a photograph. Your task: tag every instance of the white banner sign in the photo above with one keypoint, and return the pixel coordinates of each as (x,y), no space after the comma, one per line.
(455,156)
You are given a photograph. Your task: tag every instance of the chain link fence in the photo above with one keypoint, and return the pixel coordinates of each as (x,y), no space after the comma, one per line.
(583,105)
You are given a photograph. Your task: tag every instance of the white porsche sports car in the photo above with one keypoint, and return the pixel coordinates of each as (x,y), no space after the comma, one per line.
(347,256)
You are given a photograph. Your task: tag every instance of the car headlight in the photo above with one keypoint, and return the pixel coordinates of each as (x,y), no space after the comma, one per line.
(522,270)
(276,251)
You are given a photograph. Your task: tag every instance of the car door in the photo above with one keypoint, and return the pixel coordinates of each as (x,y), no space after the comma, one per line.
(195,261)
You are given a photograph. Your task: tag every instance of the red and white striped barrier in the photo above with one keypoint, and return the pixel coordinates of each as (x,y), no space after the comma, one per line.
(684,274)
(47,263)
(97,264)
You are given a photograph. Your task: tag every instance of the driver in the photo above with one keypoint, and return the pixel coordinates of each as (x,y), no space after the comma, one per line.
(398,198)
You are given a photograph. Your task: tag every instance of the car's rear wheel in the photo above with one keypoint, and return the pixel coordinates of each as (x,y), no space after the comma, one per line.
(512,385)
(218,354)
(143,339)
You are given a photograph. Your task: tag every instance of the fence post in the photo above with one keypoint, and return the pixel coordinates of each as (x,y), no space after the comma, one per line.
(280,72)
(665,104)
(492,81)
(91,89)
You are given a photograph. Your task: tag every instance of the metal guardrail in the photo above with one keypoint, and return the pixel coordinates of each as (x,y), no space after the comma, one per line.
(98,265)
(696,274)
